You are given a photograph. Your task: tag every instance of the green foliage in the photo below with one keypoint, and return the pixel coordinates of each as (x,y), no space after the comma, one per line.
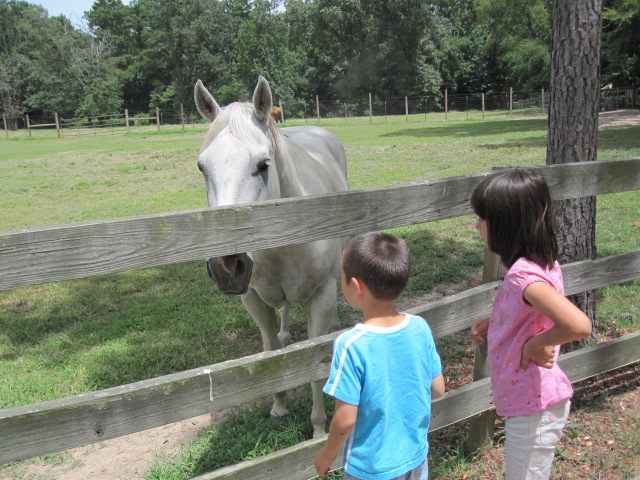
(620,40)
(519,37)
(149,53)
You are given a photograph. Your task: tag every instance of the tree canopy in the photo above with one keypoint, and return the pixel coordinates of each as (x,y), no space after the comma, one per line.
(149,53)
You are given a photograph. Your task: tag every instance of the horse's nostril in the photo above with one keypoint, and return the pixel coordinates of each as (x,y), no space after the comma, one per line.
(240,268)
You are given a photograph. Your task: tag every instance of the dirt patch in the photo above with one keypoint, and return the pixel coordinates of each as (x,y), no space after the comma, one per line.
(123,458)
(619,118)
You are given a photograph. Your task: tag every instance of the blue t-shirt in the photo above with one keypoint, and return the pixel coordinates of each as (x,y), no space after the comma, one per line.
(387,372)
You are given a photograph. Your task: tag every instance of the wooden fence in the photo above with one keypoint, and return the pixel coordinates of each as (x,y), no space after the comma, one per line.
(53,254)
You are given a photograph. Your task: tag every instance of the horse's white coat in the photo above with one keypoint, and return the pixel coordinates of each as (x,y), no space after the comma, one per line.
(245,158)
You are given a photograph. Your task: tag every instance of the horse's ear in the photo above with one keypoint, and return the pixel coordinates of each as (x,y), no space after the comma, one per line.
(262,100)
(206,104)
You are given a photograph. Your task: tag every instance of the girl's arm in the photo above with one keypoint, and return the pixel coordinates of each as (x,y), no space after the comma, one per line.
(344,418)
(570,323)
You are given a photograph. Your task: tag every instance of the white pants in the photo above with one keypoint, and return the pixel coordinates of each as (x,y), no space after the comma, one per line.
(531,442)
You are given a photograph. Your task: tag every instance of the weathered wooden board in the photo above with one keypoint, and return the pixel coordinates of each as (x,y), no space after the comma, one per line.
(457,312)
(296,463)
(83,419)
(37,256)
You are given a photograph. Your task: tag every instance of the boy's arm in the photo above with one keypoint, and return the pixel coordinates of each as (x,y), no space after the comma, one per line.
(437,387)
(570,323)
(342,423)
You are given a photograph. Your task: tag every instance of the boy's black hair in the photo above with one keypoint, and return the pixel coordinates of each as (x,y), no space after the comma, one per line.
(520,216)
(381,260)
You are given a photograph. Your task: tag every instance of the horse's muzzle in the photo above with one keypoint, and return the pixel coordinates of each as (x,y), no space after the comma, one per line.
(231,273)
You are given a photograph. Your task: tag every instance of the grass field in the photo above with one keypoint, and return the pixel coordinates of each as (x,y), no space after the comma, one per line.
(73,337)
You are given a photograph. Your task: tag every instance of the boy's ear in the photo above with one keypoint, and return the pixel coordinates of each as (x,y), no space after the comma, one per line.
(358,285)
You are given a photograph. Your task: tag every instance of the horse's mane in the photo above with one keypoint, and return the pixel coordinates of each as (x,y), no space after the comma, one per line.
(238,117)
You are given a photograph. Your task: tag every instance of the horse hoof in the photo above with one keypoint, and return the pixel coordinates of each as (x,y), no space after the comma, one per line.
(319,432)
(278,415)
(285,339)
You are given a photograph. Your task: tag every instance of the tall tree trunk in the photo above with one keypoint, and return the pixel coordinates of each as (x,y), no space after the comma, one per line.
(573,123)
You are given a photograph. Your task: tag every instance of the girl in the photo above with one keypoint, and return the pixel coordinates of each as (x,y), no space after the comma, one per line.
(531,318)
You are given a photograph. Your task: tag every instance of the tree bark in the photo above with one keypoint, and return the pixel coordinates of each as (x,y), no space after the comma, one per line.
(573,123)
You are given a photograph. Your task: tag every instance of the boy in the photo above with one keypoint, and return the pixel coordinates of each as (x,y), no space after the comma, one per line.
(384,373)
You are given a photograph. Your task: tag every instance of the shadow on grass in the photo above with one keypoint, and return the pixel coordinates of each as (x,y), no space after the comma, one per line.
(128,326)
(440,259)
(472,129)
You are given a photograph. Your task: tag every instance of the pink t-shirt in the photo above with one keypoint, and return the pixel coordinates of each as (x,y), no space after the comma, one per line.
(513,322)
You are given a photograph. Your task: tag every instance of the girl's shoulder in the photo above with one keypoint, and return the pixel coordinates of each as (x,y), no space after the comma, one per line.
(524,272)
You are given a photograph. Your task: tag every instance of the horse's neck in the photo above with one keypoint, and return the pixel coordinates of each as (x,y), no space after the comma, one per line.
(290,183)
(300,173)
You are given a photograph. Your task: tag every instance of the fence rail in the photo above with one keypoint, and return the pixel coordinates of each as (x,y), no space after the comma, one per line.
(38,256)
(473,105)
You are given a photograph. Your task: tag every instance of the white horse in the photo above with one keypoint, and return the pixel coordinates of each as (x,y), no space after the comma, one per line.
(245,158)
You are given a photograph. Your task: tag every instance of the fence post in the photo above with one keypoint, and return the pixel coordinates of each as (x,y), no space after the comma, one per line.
(482,427)
(406,109)
(542,101)
(446,104)
(58,132)
(511,101)
(6,129)
(182,116)
(482,94)
(281,112)
(466,101)
(28,125)
(126,119)
(318,108)
(370,109)
(158,118)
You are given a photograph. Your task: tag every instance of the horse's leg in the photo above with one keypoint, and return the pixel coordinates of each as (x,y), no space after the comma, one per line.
(283,335)
(265,317)
(321,312)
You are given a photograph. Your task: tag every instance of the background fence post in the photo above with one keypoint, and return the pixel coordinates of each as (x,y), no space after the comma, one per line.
(542,102)
(370,109)
(406,109)
(28,125)
(6,129)
(182,116)
(482,427)
(158,118)
(511,101)
(126,119)
(281,112)
(446,104)
(58,132)
(482,95)
(318,108)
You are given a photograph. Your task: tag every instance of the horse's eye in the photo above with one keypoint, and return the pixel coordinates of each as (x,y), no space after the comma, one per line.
(263,166)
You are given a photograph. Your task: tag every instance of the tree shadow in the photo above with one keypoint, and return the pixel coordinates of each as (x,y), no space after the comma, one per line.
(471,129)
(126,327)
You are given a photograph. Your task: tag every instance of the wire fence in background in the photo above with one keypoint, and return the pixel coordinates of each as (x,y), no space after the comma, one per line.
(371,109)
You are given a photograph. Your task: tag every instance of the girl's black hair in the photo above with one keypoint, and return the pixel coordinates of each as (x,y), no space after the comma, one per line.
(520,216)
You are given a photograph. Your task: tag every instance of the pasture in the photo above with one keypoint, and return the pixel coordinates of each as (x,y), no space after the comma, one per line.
(72,337)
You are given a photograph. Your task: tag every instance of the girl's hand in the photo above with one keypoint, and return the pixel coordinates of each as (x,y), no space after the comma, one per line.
(479,330)
(541,355)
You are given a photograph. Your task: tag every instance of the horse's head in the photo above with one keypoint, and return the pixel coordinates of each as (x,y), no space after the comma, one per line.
(238,164)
